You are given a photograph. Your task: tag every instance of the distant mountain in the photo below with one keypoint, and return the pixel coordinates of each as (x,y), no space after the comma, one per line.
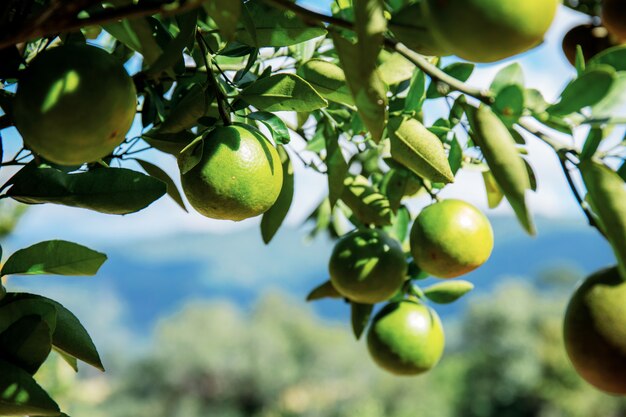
(152,278)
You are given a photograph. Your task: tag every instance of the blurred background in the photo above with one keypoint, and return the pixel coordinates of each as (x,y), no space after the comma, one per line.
(195,317)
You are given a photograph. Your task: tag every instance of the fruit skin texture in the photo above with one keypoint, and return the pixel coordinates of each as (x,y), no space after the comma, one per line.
(239,176)
(614,18)
(592,39)
(451,238)
(74,104)
(406,338)
(367,266)
(594,331)
(490,30)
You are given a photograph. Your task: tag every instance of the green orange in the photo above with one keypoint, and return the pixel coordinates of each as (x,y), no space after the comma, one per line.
(367,266)
(74,104)
(490,30)
(595,331)
(406,338)
(239,175)
(450,238)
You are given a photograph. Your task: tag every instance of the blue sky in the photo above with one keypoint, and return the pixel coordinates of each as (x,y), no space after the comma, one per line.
(545,68)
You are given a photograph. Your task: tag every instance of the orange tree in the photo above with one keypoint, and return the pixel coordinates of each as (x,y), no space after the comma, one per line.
(359,78)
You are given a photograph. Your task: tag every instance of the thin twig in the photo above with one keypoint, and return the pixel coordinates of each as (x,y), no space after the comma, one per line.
(563,159)
(222,100)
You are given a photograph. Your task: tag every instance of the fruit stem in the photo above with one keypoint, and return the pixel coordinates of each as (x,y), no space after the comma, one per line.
(220,96)
(430,191)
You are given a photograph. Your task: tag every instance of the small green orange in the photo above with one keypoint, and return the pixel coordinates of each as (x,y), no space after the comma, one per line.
(367,266)
(239,176)
(451,238)
(406,338)
(595,331)
(74,104)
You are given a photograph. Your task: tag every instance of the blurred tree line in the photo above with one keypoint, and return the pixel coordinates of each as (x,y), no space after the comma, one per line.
(504,359)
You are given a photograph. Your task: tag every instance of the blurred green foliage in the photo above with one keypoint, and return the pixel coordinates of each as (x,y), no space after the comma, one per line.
(10,214)
(504,359)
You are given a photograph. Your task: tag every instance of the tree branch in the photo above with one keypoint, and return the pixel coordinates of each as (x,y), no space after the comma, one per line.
(57,19)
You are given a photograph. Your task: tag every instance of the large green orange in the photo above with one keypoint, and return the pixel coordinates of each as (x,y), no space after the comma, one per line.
(367,266)
(595,331)
(490,30)
(406,338)
(451,238)
(74,104)
(239,176)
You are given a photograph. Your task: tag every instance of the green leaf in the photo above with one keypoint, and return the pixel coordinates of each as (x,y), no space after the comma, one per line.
(325,290)
(410,25)
(274,217)
(370,25)
(173,51)
(70,360)
(614,57)
(274,124)
(192,154)
(283,92)
(367,204)
(360,317)
(613,104)
(494,193)
(276,27)
(622,171)
(107,190)
(368,89)
(500,151)
(455,156)
(20,395)
(395,68)
(26,343)
(607,195)
(139,35)
(459,70)
(417,93)
(11,312)
(327,79)
(448,292)
(158,173)
(54,257)
(419,150)
(509,104)
(588,89)
(193,105)
(172,143)
(393,185)
(510,75)
(337,166)
(399,228)
(594,138)
(69,336)
(226,14)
